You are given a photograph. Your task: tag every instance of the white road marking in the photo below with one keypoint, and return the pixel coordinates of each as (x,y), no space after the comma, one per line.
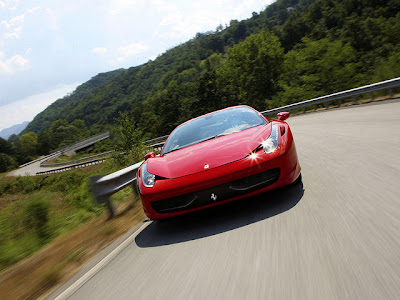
(81,281)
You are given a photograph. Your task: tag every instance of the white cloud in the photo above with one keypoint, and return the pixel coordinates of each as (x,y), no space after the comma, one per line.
(27,108)
(125,52)
(52,19)
(9,4)
(100,50)
(153,57)
(180,24)
(245,6)
(118,6)
(13,28)
(13,64)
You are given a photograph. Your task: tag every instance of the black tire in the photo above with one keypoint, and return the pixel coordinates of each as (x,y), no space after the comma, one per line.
(298,180)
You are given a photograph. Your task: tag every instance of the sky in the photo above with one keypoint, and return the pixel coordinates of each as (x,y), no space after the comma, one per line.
(48,48)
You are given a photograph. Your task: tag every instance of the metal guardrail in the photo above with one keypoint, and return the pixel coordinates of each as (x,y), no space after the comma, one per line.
(371,88)
(158,139)
(103,187)
(88,158)
(49,156)
(82,144)
(74,166)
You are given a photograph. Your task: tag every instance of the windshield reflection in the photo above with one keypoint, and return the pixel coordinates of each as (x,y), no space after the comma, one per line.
(212,126)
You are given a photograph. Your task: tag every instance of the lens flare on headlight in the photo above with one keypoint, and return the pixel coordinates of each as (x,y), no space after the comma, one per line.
(269,146)
(253,156)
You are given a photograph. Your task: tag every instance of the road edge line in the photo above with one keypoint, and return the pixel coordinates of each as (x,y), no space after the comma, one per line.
(101,264)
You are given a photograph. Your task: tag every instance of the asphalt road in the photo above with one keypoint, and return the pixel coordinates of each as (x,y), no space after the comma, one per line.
(336,236)
(31,169)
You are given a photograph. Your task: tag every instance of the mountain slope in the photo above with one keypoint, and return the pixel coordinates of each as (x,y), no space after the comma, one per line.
(60,108)
(353,37)
(15,129)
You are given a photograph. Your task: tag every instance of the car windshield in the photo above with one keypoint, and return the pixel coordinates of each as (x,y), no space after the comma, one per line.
(212,126)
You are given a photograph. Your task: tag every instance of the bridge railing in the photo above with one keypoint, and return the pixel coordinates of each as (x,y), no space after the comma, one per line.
(103,187)
(84,143)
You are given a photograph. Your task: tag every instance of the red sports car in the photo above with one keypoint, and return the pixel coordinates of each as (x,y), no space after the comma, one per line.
(216,158)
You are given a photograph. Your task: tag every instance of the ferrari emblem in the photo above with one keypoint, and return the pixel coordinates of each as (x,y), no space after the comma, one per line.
(206,166)
(213,197)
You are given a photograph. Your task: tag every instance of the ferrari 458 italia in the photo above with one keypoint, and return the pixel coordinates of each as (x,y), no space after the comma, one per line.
(216,158)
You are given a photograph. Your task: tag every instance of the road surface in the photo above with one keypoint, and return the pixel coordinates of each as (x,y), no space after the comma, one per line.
(336,236)
(31,169)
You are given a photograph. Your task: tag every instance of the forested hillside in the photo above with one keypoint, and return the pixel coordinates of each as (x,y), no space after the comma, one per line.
(60,108)
(292,51)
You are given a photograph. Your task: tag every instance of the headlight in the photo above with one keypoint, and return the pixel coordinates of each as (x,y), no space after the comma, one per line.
(148,179)
(271,144)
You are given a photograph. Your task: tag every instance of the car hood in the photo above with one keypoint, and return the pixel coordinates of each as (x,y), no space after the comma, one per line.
(209,154)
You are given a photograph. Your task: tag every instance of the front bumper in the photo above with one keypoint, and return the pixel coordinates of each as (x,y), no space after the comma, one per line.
(216,193)
(245,177)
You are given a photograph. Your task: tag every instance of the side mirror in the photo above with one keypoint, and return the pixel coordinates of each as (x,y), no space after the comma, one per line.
(149,155)
(282,116)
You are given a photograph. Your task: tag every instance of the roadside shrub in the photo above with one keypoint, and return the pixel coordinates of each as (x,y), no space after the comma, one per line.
(8,186)
(7,162)
(27,184)
(36,215)
(65,182)
(13,251)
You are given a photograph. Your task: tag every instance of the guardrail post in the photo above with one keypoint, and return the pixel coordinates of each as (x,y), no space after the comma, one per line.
(103,187)
(354,100)
(339,102)
(100,199)
(110,209)
(135,190)
(391,94)
(372,96)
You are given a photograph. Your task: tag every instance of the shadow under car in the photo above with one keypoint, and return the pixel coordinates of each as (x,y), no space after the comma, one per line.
(222,218)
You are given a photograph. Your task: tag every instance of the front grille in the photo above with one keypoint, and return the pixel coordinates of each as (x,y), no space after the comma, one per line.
(218,193)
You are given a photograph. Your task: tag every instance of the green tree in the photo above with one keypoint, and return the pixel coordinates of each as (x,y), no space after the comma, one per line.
(318,68)
(81,126)
(7,162)
(128,138)
(29,143)
(387,68)
(45,143)
(6,147)
(62,133)
(252,68)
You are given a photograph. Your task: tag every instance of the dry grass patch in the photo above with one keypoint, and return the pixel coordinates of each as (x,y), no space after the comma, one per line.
(60,260)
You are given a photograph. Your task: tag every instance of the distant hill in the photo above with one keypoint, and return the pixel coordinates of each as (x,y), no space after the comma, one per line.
(15,129)
(61,109)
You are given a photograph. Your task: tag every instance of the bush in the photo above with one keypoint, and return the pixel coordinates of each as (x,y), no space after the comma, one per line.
(65,182)
(7,162)
(36,215)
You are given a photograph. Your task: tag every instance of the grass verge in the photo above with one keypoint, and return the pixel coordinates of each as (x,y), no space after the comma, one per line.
(56,263)
(50,225)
